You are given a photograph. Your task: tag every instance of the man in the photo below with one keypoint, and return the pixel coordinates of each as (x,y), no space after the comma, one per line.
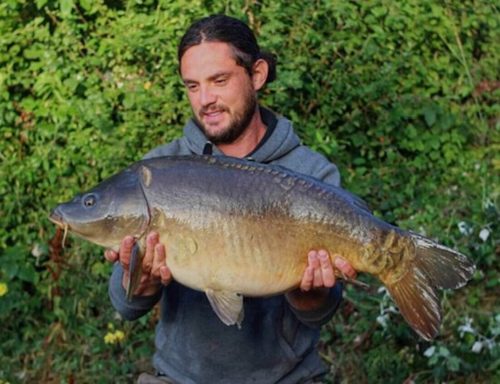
(223,68)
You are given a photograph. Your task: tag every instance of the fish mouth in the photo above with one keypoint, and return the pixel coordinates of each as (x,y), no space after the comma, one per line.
(58,220)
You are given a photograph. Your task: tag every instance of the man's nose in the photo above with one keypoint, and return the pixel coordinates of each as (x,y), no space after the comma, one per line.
(207,96)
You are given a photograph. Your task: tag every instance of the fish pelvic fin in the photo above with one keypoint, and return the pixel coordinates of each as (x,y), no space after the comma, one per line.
(135,270)
(228,306)
(416,292)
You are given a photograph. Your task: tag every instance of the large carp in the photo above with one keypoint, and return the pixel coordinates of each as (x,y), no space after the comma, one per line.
(235,228)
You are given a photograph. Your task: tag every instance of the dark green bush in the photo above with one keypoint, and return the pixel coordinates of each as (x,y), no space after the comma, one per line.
(403,96)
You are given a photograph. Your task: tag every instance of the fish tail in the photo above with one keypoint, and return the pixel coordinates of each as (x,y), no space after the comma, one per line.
(416,293)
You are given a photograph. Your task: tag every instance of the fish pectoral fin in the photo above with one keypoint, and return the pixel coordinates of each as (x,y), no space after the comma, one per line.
(227,305)
(135,270)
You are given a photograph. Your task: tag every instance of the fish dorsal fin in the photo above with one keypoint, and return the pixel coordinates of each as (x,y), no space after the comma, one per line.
(227,305)
(356,201)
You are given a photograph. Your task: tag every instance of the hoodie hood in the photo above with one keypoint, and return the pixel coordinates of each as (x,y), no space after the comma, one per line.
(279,146)
(278,141)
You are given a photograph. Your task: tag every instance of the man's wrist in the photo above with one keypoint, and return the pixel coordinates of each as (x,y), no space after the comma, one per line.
(308,300)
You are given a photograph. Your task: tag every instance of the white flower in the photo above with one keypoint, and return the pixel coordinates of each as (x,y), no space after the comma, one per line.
(464,228)
(466,327)
(484,234)
(488,204)
(382,320)
(477,347)
(392,309)
(37,250)
(430,351)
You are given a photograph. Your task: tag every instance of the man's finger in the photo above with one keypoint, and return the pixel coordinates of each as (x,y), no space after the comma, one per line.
(312,258)
(327,272)
(165,275)
(147,262)
(159,259)
(110,255)
(307,279)
(315,264)
(126,250)
(344,266)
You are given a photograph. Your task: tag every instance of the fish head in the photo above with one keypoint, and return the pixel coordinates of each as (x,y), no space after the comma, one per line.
(107,213)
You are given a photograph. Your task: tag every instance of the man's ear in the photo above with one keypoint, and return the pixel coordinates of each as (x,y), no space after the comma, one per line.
(260,70)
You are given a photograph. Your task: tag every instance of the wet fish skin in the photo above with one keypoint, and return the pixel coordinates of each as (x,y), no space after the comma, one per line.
(233,227)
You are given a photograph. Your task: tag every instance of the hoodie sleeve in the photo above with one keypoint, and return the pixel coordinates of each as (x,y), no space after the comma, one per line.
(321,316)
(305,161)
(327,172)
(133,309)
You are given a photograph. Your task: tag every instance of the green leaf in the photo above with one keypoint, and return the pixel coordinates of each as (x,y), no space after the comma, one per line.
(27,273)
(88,5)
(453,363)
(443,351)
(66,7)
(429,115)
(40,3)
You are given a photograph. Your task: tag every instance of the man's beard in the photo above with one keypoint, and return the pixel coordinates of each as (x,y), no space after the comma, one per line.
(237,124)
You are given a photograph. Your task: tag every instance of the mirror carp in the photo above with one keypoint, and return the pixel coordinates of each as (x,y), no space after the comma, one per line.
(235,228)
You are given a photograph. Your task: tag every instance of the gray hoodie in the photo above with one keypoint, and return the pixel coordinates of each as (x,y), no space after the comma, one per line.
(276,343)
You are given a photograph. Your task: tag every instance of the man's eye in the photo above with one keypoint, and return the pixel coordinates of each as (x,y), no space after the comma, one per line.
(221,81)
(192,87)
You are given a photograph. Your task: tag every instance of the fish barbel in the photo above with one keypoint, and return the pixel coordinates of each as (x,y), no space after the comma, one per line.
(236,228)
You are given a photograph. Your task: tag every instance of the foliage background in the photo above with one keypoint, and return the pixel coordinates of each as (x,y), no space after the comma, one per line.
(403,96)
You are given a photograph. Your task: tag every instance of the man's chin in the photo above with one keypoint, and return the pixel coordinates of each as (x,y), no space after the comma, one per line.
(215,132)
(215,126)
(224,132)
(210,128)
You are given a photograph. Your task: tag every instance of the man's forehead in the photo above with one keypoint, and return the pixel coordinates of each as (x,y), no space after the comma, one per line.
(207,60)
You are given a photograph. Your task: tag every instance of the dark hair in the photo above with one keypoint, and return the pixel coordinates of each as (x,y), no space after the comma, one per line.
(225,29)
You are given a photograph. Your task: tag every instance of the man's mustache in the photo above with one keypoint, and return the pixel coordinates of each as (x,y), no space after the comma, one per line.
(212,108)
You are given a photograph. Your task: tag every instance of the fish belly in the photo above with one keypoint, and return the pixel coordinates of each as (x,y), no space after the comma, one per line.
(254,256)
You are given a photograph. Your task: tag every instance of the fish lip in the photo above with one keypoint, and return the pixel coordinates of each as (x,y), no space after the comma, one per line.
(57,218)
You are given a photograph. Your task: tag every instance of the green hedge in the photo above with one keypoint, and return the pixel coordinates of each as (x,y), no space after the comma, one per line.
(403,96)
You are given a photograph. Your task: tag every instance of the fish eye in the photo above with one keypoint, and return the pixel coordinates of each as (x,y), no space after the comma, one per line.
(89,200)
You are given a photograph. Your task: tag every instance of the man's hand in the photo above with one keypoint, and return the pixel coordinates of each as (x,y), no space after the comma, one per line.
(318,278)
(154,269)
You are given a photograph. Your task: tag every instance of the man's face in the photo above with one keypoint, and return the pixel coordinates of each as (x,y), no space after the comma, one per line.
(221,92)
